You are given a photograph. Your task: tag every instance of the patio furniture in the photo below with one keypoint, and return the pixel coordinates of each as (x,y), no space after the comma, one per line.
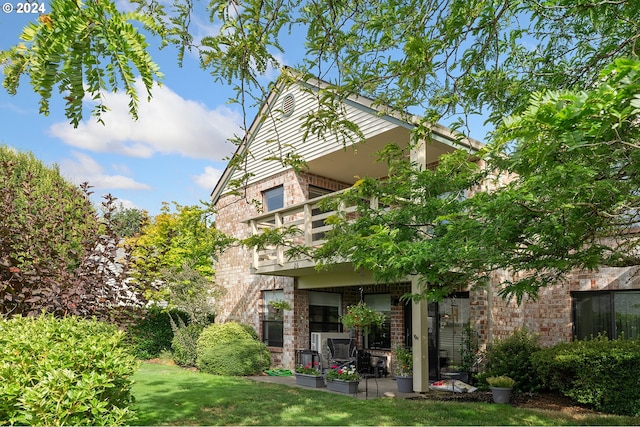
(342,351)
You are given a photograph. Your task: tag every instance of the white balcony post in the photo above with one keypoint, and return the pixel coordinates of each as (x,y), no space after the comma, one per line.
(279,248)
(420,327)
(308,224)
(254,231)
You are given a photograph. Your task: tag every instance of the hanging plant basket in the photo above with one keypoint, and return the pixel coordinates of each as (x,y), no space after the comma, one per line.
(362,317)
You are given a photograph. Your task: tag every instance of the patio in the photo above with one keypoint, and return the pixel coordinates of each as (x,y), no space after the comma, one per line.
(369,388)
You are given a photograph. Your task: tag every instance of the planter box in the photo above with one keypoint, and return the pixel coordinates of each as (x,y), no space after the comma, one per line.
(405,384)
(347,387)
(309,380)
(500,394)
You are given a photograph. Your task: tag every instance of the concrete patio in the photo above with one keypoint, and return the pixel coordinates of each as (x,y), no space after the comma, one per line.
(369,388)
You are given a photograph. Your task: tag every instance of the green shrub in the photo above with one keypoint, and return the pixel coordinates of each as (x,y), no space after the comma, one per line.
(600,373)
(219,333)
(249,355)
(184,344)
(511,357)
(238,357)
(66,371)
(152,333)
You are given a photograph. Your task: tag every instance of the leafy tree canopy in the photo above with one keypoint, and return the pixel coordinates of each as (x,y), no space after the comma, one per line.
(570,147)
(173,254)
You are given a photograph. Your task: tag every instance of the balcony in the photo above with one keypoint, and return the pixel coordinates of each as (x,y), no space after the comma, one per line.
(308,227)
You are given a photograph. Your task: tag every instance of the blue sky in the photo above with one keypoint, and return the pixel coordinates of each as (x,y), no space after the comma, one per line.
(174,152)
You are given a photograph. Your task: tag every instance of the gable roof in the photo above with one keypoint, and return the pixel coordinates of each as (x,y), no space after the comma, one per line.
(275,132)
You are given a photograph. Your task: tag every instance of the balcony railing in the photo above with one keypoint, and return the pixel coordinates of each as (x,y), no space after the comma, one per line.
(307,222)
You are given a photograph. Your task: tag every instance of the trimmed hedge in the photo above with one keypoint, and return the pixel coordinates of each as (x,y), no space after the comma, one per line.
(231,349)
(238,358)
(68,371)
(600,373)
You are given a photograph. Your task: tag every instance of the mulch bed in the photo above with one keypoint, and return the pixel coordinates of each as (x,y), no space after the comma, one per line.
(547,400)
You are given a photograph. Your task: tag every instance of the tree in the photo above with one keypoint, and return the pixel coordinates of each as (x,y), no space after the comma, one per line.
(446,60)
(56,255)
(128,222)
(173,254)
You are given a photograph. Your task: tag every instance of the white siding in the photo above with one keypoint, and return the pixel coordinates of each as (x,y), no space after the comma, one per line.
(279,135)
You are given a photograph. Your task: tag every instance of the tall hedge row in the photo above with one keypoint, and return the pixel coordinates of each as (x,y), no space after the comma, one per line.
(600,373)
(67,371)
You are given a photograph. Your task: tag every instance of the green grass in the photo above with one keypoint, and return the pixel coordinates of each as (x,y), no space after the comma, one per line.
(169,395)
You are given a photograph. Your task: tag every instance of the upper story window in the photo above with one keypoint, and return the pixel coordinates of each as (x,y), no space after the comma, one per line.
(273,198)
(318,192)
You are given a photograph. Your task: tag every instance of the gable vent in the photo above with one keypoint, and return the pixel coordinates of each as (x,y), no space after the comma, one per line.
(288,105)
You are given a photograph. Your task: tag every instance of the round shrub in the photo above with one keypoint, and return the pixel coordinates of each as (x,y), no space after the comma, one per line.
(68,371)
(219,333)
(184,344)
(239,357)
(600,373)
(511,357)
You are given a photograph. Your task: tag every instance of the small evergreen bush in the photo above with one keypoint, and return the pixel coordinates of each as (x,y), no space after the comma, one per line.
(239,357)
(220,333)
(184,344)
(600,373)
(67,371)
(511,357)
(249,355)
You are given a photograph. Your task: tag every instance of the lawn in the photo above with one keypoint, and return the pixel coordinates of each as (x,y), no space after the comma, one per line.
(169,395)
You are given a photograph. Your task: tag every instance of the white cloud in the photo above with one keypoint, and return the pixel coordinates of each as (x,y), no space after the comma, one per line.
(208,178)
(86,169)
(168,124)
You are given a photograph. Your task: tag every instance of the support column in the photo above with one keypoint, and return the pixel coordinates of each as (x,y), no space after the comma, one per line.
(420,326)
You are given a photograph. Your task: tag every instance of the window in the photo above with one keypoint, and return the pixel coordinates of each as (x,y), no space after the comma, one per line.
(614,313)
(324,312)
(273,198)
(313,193)
(379,338)
(272,323)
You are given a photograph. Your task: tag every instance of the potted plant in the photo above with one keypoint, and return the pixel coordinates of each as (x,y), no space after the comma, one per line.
(343,380)
(362,317)
(404,369)
(309,375)
(278,307)
(469,354)
(501,388)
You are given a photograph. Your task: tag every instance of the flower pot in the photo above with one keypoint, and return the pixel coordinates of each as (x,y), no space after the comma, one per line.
(405,384)
(500,394)
(306,380)
(347,387)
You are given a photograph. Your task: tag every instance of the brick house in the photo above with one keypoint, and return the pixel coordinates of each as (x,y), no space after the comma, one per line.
(275,196)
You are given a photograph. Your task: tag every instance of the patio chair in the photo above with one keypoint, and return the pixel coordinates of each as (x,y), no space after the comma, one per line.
(342,351)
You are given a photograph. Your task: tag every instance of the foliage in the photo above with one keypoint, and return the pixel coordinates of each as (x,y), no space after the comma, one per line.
(469,350)
(56,255)
(185,343)
(280,305)
(511,357)
(173,254)
(239,357)
(501,382)
(309,369)
(347,373)
(64,372)
(404,361)
(221,333)
(128,222)
(151,334)
(363,317)
(85,49)
(600,373)
(250,355)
